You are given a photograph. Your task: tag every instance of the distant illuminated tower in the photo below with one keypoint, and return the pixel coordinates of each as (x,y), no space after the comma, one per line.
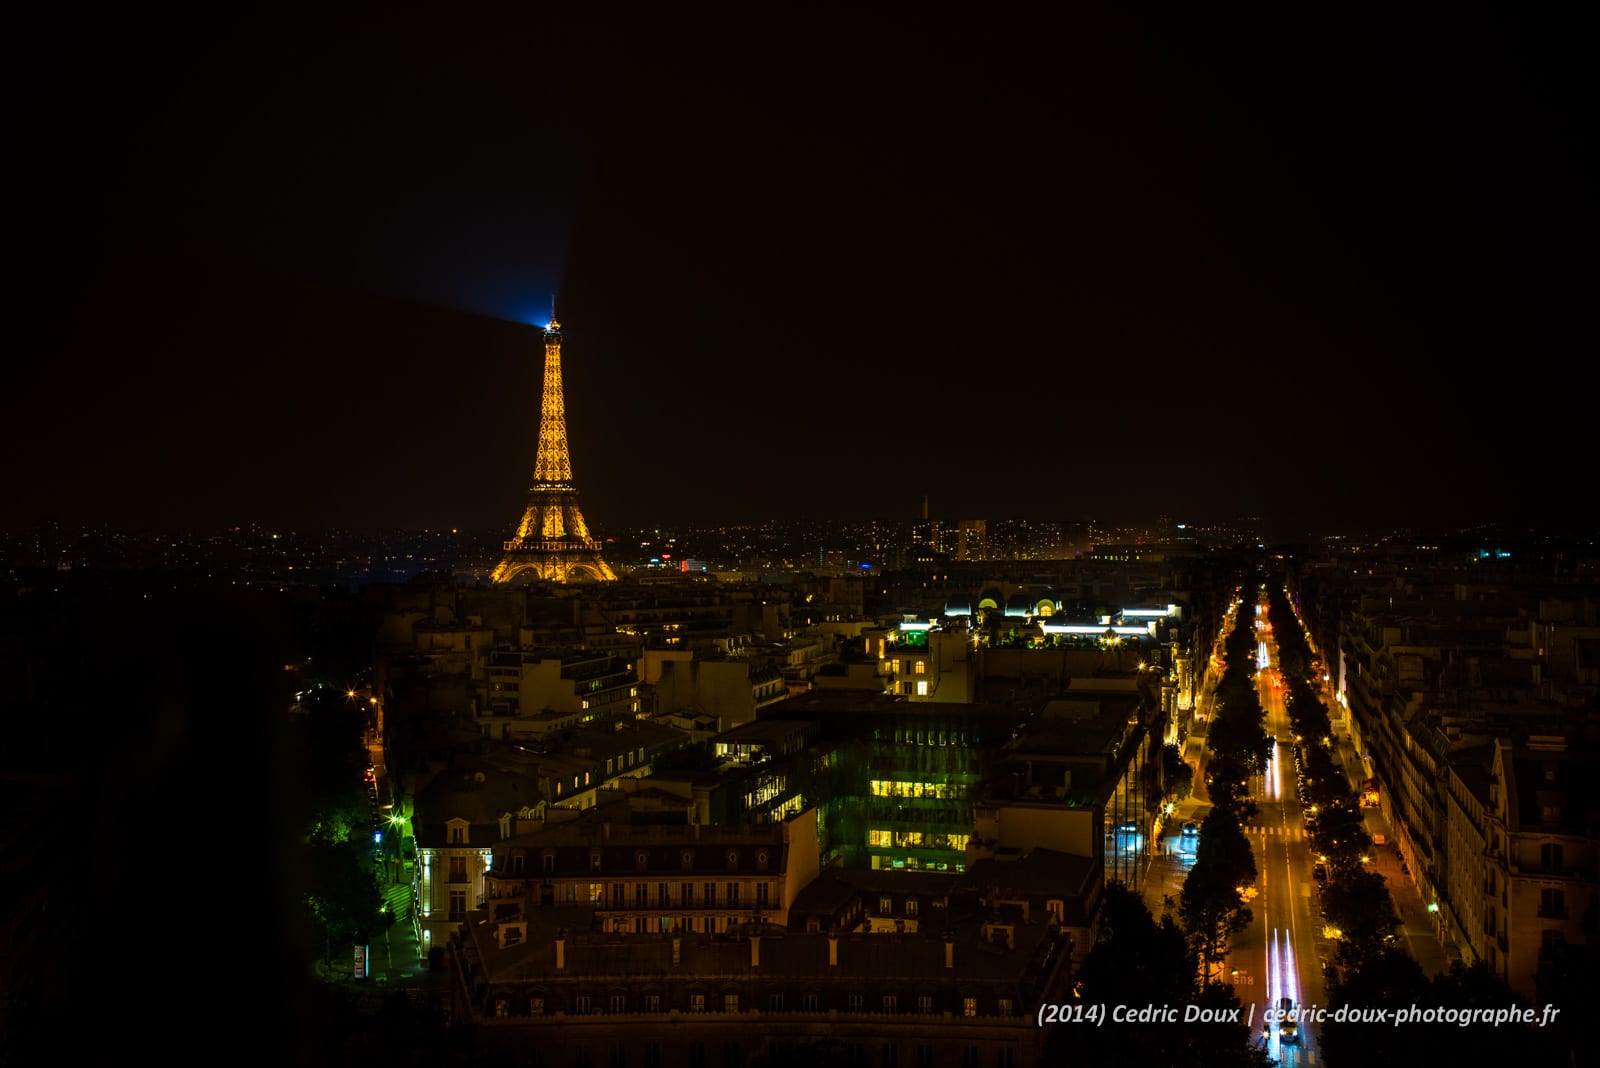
(552,540)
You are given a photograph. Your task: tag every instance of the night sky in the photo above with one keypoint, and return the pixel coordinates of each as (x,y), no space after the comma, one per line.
(290,272)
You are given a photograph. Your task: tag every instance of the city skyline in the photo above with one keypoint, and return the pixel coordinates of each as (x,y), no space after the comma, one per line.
(1322,274)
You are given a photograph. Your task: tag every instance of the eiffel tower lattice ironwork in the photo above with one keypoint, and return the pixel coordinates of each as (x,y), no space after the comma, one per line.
(553,541)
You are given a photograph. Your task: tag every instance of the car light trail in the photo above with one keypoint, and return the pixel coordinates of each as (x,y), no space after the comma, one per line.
(1291,967)
(1274,968)
(1274,784)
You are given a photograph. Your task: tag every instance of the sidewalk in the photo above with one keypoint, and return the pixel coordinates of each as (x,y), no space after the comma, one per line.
(1419,928)
(396,955)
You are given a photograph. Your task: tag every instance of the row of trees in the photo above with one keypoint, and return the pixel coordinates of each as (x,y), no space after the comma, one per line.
(1212,905)
(343,901)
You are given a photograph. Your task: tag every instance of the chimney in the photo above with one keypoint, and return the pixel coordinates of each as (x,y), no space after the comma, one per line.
(605,831)
(755,951)
(949,950)
(833,947)
(561,949)
(677,946)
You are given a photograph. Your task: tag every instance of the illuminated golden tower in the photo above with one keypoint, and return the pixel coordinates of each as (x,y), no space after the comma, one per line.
(552,540)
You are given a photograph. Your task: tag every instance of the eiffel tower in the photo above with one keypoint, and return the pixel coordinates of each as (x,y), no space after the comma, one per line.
(552,540)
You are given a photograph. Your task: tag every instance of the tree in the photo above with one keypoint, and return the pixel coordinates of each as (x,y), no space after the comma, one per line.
(1358,903)
(1476,987)
(1390,980)
(1224,846)
(1212,911)
(1568,981)
(1226,783)
(1137,961)
(335,760)
(1242,737)
(342,893)
(1340,835)
(1176,773)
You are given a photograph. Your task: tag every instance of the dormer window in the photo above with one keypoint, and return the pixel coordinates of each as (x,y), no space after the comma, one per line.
(733,858)
(761,859)
(517,864)
(594,861)
(549,863)
(642,859)
(688,859)
(458,832)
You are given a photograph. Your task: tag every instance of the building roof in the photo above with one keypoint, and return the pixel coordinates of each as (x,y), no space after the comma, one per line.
(759,731)
(1042,875)
(478,791)
(594,956)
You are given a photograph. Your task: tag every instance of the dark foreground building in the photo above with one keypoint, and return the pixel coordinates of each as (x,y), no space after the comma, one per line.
(549,986)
